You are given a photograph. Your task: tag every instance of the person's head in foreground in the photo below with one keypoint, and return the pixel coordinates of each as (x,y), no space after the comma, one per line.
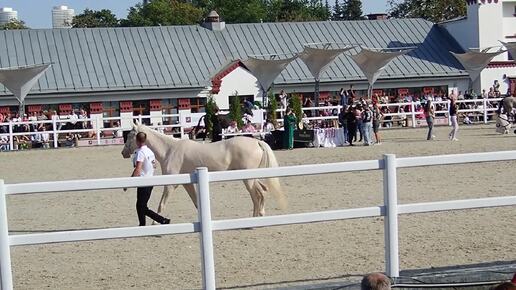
(375,281)
(505,286)
(140,139)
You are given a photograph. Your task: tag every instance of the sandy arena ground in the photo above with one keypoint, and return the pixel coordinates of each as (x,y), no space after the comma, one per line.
(270,257)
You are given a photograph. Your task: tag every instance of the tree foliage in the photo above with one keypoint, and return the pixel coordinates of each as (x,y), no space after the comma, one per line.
(162,13)
(433,10)
(352,10)
(92,18)
(211,107)
(297,107)
(272,107)
(235,110)
(296,10)
(14,24)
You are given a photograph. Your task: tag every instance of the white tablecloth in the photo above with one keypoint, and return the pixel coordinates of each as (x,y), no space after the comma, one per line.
(329,137)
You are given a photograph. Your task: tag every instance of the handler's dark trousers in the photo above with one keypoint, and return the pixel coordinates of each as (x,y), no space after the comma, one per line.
(143,195)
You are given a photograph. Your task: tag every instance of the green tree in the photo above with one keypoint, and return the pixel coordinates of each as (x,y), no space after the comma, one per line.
(93,18)
(235,110)
(272,107)
(432,10)
(337,12)
(14,24)
(211,107)
(163,12)
(297,107)
(238,11)
(296,10)
(352,10)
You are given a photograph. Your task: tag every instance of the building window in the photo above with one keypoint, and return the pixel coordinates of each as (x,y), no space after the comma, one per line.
(198,105)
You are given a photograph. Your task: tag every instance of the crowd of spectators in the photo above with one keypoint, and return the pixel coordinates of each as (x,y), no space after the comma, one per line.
(36,126)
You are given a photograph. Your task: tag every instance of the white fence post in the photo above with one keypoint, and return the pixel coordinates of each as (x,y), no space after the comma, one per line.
(97,126)
(204,210)
(54,129)
(484,100)
(11,136)
(6,278)
(413,111)
(448,103)
(390,191)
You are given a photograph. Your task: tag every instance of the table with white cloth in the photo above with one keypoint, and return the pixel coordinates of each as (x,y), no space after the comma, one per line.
(329,137)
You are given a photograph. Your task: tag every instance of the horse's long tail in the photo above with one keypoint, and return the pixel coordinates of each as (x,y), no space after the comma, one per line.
(271,185)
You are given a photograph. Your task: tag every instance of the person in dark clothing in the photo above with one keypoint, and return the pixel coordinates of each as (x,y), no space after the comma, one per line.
(216,127)
(144,163)
(343,123)
(351,124)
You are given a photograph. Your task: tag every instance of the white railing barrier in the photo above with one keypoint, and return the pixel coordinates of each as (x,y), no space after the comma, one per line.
(205,226)
(484,110)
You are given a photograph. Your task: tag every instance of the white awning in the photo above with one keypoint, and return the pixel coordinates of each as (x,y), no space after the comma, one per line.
(372,63)
(511,47)
(267,70)
(474,61)
(20,80)
(317,59)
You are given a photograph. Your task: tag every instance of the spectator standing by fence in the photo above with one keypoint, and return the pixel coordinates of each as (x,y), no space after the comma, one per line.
(351,124)
(289,124)
(367,128)
(453,117)
(429,115)
(377,118)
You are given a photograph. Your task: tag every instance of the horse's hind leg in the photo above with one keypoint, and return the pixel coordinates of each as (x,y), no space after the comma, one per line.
(260,193)
(250,186)
(190,189)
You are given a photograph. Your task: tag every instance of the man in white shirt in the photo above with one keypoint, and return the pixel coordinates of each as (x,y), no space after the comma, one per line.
(144,163)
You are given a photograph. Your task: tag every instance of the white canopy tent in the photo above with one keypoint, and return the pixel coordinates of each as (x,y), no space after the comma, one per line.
(267,70)
(318,59)
(475,61)
(372,63)
(511,47)
(20,80)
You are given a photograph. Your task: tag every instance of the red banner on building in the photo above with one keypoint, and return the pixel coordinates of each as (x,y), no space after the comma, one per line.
(155,105)
(65,109)
(34,108)
(96,108)
(5,110)
(184,104)
(126,107)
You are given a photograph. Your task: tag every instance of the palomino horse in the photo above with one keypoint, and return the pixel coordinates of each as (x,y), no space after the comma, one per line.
(178,156)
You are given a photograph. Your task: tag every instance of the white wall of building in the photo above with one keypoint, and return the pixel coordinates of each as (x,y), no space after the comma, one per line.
(489,75)
(485,26)
(238,81)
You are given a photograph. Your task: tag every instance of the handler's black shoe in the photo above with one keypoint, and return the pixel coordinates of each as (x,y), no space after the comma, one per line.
(165,221)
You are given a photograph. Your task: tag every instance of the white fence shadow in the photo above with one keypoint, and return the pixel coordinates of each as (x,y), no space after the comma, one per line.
(390,209)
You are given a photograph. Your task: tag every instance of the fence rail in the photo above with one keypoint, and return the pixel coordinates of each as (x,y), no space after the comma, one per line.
(390,209)
(484,108)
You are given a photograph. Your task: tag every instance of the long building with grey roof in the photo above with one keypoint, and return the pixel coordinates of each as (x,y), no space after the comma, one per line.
(140,64)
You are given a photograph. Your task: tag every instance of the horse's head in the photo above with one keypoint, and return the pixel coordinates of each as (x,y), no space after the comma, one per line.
(130,142)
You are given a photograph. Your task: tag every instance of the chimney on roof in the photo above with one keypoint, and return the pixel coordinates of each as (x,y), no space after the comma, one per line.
(377,16)
(213,23)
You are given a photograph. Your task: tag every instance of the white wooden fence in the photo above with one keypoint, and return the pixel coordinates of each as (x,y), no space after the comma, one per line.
(390,209)
(483,107)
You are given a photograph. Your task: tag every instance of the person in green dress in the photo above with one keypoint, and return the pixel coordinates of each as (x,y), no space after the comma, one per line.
(289,124)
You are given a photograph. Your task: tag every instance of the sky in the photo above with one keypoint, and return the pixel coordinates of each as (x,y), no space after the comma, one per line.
(37,13)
